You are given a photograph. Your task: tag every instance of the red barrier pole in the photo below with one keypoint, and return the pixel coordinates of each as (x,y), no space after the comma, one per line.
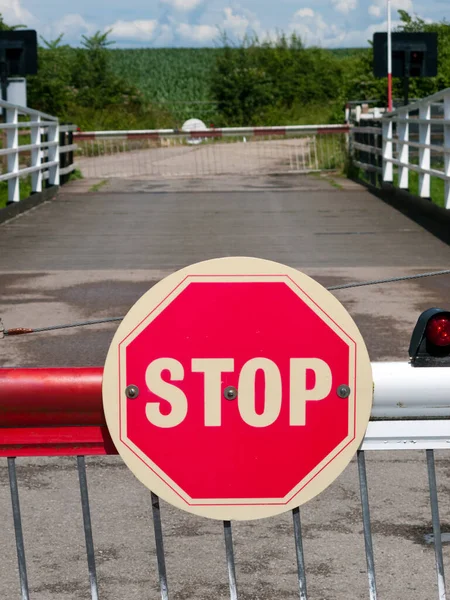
(51,412)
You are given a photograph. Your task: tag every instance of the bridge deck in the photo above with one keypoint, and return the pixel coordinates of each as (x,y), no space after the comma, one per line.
(89,255)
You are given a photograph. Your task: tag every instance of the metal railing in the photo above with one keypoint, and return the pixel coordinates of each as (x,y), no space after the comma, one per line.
(58,412)
(235,150)
(40,156)
(410,139)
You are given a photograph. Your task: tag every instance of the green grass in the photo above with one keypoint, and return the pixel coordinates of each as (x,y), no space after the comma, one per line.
(25,187)
(76,174)
(334,183)
(98,186)
(331,180)
(437,187)
(331,152)
(25,191)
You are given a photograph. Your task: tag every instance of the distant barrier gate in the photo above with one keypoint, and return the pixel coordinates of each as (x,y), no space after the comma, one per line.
(154,154)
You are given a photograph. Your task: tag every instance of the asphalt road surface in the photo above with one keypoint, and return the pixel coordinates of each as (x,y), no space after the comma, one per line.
(91,255)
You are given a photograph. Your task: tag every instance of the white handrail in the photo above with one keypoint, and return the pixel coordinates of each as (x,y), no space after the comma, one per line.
(27,111)
(45,155)
(433,99)
(397,128)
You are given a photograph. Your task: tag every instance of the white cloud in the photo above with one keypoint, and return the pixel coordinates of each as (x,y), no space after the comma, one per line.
(344,6)
(359,37)
(73,25)
(402,4)
(15,14)
(197,22)
(140,30)
(311,27)
(165,36)
(379,7)
(183,5)
(314,30)
(304,12)
(196,33)
(235,23)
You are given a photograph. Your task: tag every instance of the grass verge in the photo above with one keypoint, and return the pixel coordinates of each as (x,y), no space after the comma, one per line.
(437,186)
(25,191)
(98,186)
(25,187)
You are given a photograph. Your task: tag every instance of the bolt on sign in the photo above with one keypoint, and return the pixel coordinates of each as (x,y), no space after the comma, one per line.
(237,388)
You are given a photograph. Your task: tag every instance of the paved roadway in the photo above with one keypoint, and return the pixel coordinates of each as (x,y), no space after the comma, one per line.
(90,255)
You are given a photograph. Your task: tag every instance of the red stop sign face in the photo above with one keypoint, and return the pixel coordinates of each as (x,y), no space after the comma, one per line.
(237,388)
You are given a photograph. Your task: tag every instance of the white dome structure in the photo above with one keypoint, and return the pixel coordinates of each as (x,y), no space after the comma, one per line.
(194,125)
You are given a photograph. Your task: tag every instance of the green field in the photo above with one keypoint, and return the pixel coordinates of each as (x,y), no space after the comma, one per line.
(167,74)
(179,79)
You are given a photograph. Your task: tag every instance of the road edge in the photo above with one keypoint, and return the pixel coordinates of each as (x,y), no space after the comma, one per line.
(422,211)
(17,208)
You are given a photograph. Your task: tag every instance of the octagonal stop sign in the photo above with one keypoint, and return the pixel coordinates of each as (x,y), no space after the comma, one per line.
(237,388)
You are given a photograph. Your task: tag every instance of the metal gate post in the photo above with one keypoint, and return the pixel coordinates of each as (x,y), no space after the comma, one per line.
(436,525)
(18,528)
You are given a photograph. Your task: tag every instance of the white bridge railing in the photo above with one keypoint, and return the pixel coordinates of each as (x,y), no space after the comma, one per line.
(39,157)
(412,139)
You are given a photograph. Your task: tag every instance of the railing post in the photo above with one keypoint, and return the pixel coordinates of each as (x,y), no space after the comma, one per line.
(12,137)
(447,148)
(403,154)
(36,156)
(70,161)
(53,153)
(62,157)
(424,153)
(388,171)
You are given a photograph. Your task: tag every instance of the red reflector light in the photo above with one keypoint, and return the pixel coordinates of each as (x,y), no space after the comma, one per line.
(438,331)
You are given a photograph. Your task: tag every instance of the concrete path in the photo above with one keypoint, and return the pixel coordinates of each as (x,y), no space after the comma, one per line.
(90,255)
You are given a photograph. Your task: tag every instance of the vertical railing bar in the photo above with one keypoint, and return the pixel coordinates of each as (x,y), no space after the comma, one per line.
(230,560)
(436,525)
(299,554)
(90,553)
(315,151)
(18,528)
(366,524)
(447,146)
(156,511)
(12,137)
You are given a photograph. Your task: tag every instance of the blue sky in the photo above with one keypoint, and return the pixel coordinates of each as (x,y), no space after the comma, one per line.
(156,23)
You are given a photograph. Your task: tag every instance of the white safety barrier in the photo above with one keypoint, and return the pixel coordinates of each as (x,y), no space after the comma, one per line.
(40,158)
(405,133)
(411,411)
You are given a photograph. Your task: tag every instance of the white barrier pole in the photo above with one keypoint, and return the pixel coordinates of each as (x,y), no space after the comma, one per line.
(403,391)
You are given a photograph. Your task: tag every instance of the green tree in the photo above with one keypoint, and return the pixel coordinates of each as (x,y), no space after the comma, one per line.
(96,84)
(5,27)
(239,85)
(51,90)
(257,83)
